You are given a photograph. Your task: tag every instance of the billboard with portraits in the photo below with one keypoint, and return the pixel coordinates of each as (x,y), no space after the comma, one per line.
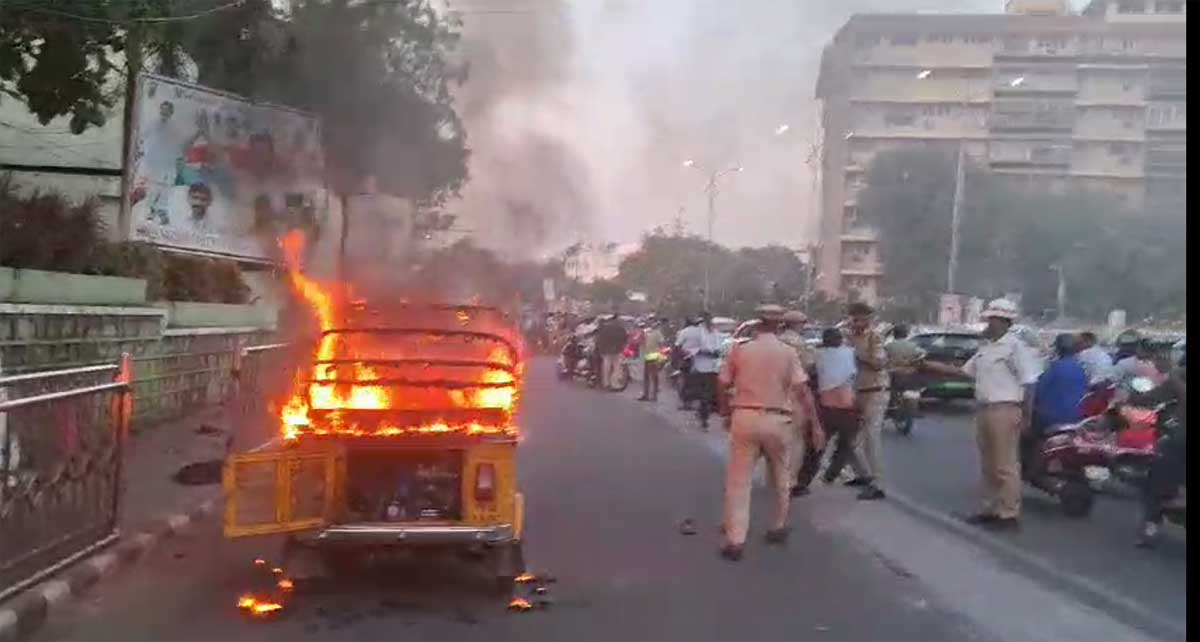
(215,173)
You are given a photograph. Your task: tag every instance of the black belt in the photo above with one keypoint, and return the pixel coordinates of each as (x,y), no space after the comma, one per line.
(767,409)
(875,389)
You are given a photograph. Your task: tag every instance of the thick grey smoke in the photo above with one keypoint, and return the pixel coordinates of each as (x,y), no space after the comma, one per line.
(580,113)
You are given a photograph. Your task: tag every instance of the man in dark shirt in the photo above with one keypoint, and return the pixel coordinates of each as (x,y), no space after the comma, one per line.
(1169,470)
(610,341)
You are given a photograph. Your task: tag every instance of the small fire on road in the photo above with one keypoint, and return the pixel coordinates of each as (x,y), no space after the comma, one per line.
(258,607)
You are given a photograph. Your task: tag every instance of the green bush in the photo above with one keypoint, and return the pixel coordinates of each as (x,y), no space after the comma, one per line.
(43,231)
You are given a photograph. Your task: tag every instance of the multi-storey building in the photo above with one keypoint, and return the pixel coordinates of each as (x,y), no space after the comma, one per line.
(1097,100)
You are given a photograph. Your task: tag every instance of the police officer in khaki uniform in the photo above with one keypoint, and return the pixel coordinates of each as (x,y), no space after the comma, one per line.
(762,382)
(793,324)
(1004,373)
(871,391)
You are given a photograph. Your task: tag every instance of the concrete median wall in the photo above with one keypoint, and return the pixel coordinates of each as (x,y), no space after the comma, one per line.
(175,369)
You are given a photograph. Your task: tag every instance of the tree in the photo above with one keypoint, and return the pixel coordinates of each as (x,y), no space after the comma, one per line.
(1015,239)
(378,73)
(669,269)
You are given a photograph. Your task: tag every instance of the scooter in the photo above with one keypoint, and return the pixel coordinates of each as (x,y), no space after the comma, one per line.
(1064,464)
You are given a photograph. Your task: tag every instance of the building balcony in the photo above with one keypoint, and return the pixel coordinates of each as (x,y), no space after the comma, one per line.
(863,269)
(860,235)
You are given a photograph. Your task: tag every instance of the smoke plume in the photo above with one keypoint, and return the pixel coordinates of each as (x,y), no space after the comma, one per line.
(579,115)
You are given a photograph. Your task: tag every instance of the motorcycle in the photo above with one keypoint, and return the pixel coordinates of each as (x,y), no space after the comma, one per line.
(903,406)
(1066,462)
(578,362)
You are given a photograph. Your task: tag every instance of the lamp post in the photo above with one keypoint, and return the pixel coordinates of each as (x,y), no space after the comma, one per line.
(959,181)
(710,188)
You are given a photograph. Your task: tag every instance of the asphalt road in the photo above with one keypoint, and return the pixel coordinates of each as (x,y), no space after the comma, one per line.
(937,466)
(607,481)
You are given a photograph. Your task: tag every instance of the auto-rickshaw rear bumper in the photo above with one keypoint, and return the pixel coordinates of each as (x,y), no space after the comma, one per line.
(377,534)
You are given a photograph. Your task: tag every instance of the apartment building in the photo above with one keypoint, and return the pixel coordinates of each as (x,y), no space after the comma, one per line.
(1096,99)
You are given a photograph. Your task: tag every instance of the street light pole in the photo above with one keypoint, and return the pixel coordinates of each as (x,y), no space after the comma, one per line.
(959,181)
(710,188)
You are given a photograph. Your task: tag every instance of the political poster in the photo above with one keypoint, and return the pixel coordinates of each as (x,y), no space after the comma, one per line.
(215,173)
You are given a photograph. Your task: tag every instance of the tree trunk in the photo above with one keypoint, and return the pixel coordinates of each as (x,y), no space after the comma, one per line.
(344,200)
(133,67)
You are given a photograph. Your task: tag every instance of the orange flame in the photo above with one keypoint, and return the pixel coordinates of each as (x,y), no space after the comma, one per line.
(347,385)
(257,607)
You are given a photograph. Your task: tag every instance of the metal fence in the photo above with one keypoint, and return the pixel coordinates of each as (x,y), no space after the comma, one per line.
(61,435)
(263,378)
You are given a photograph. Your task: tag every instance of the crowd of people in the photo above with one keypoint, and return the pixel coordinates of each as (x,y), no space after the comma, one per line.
(787,401)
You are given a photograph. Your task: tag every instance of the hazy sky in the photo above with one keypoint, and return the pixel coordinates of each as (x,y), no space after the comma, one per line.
(580,113)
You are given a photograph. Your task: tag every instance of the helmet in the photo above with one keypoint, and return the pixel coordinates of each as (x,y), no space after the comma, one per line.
(794,316)
(1129,338)
(1000,309)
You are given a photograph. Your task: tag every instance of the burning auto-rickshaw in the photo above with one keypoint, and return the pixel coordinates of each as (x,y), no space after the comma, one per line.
(399,436)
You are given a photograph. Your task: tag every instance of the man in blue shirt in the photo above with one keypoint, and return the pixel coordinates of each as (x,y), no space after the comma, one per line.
(1060,388)
(1056,398)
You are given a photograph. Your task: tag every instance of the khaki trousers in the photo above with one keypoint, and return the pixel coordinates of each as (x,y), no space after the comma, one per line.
(753,434)
(999,436)
(869,451)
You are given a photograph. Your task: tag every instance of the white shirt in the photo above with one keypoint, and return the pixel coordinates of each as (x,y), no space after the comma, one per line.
(1002,368)
(1096,363)
(835,367)
(694,339)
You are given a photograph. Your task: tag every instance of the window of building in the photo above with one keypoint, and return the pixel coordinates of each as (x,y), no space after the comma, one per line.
(849,217)
(1168,6)
(904,40)
(1131,6)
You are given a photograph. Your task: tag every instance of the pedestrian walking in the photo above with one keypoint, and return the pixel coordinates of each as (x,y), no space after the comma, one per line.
(1004,373)
(762,384)
(871,395)
(683,361)
(702,347)
(610,342)
(652,357)
(835,373)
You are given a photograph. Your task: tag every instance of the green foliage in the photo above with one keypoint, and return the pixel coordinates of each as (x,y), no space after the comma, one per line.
(670,270)
(378,73)
(1011,237)
(43,231)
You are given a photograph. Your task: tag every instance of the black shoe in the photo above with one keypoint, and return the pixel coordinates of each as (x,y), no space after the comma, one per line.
(799,491)
(872,492)
(643,398)
(1149,536)
(731,552)
(778,536)
(980,519)
(1003,524)
(859,481)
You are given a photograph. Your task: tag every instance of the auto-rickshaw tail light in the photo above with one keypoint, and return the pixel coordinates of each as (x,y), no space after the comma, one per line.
(485,482)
